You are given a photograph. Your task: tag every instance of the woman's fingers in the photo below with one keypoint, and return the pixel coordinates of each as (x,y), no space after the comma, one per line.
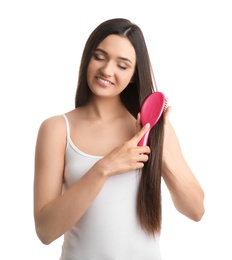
(141,133)
(167,113)
(167,110)
(128,156)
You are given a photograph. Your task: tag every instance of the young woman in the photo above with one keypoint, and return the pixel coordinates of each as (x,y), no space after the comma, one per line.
(93,183)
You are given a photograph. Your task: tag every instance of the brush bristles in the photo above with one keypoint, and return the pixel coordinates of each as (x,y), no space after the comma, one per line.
(165,105)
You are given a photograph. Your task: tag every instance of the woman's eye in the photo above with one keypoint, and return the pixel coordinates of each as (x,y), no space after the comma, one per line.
(122,67)
(97,57)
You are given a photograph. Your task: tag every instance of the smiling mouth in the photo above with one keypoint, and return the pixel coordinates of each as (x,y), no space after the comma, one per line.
(104,82)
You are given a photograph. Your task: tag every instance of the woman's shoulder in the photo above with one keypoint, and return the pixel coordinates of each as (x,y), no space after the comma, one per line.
(56,120)
(54,125)
(52,132)
(53,122)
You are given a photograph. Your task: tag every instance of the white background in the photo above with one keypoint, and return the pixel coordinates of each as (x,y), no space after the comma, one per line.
(190,46)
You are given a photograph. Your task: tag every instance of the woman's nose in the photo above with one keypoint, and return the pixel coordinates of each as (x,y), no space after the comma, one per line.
(107,69)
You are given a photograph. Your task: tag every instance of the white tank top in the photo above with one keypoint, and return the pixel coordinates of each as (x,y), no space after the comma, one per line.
(109,229)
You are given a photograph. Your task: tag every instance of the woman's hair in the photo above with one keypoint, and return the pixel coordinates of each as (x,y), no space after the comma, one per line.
(149,194)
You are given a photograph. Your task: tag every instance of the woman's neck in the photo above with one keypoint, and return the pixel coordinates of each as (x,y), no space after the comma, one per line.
(105,108)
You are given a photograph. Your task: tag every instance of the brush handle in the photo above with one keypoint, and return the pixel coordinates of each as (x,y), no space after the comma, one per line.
(144,140)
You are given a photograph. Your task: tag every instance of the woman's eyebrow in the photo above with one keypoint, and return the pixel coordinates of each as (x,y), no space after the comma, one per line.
(121,58)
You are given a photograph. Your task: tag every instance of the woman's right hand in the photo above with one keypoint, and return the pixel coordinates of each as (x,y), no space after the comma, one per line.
(126,157)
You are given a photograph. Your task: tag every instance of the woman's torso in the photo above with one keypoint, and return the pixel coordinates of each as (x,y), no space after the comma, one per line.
(109,229)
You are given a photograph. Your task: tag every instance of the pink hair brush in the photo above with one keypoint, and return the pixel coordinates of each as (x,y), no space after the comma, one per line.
(151,111)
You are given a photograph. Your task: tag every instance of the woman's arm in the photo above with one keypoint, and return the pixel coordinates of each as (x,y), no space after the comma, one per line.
(185,190)
(55,212)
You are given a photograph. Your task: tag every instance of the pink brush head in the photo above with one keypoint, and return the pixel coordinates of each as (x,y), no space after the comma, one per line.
(151,111)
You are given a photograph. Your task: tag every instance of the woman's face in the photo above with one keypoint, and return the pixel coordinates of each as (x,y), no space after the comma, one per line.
(111,66)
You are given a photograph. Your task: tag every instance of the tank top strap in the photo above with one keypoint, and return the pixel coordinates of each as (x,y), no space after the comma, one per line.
(67,128)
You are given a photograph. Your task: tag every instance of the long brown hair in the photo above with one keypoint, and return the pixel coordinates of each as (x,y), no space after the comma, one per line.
(149,193)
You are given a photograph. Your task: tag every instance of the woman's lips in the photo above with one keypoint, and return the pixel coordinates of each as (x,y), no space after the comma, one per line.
(104,82)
